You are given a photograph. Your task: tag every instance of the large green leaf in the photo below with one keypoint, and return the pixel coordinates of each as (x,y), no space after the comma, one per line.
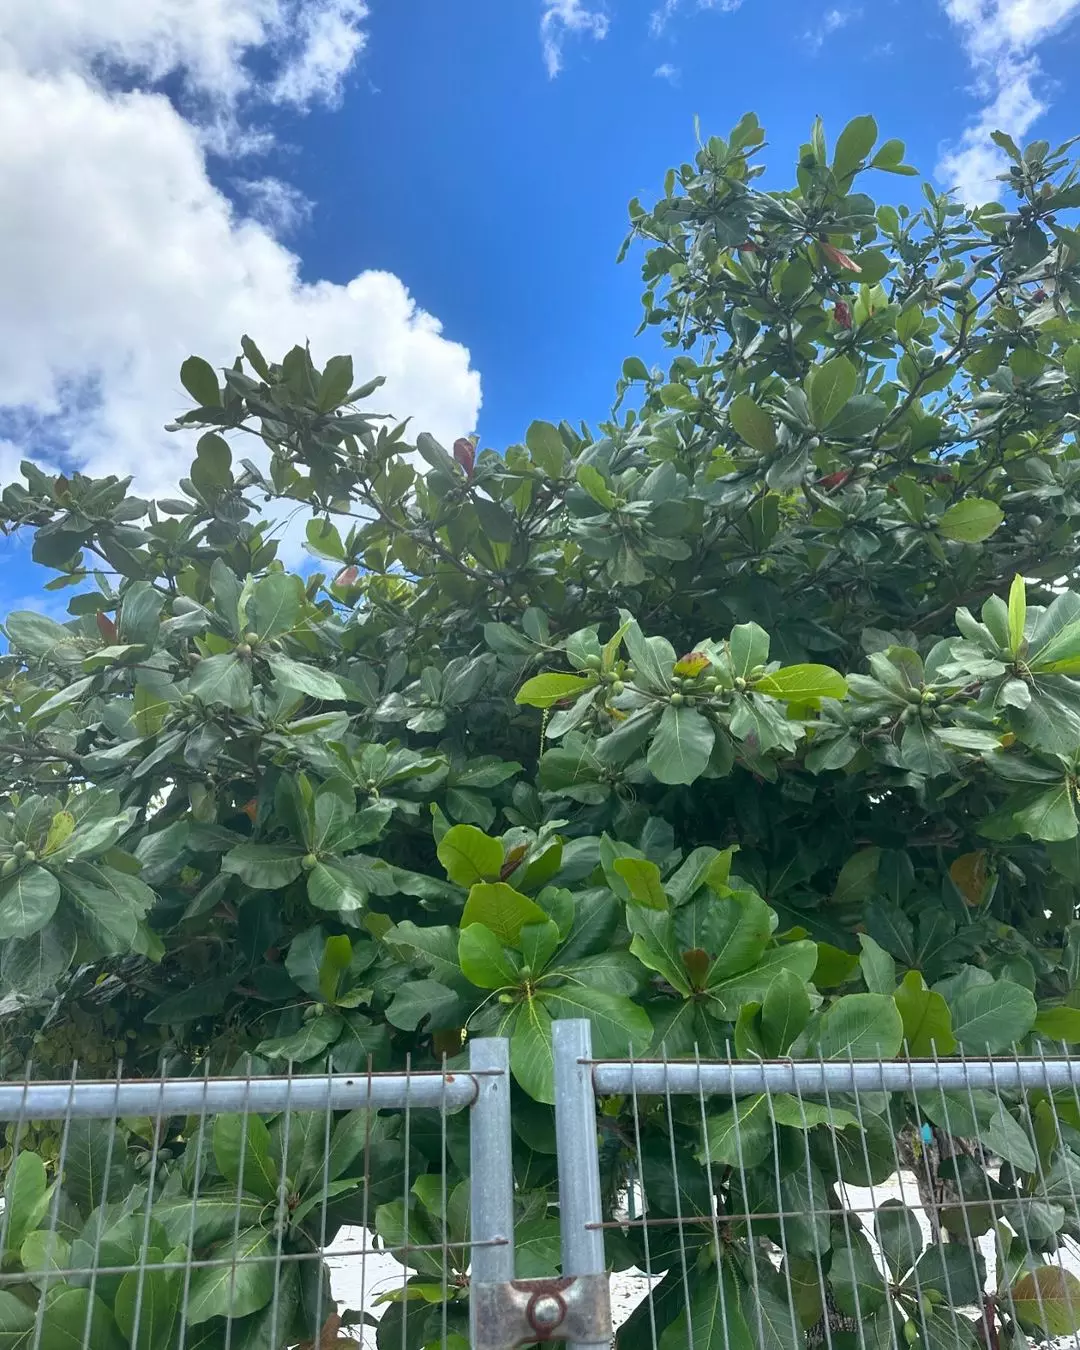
(926,1018)
(681,746)
(77,1318)
(860,1026)
(28,900)
(242,1154)
(264,866)
(803,684)
(753,423)
(469,855)
(972,520)
(544,691)
(828,388)
(240,1283)
(483,958)
(714,1320)
(502,909)
(989,1018)
(224,679)
(726,997)
(146,1306)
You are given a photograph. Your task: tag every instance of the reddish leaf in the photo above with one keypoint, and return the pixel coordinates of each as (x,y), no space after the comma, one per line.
(348,576)
(832,481)
(691,665)
(106,627)
(513,858)
(841,259)
(749,247)
(465,454)
(842,314)
(697,963)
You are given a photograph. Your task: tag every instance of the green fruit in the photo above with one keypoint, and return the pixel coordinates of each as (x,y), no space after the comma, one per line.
(911,1333)
(592,663)
(18,848)
(251,637)
(10,867)
(677,700)
(243,650)
(309,861)
(618,687)
(29,855)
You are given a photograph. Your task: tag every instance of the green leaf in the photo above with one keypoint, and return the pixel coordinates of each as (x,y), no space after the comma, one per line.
(28,900)
(643,880)
(878,967)
(751,986)
(531,1058)
(753,424)
(225,679)
(784,1012)
(36,635)
(955,1271)
(741,1136)
(424,1001)
(971,521)
(155,1295)
(989,1018)
(544,691)
(76,1318)
(469,855)
(342,885)
(1017,613)
(483,959)
(1009,1140)
(25,1198)
(546,447)
(275,605)
(854,144)
(900,1236)
(802,684)
(861,1026)
(242,1154)
(265,866)
(17,1323)
(828,388)
(1059,1024)
(857,1285)
(714,1319)
(306,679)
(238,1288)
(1048,1299)
(681,746)
(198,378)
(502,909)
(335,383)
(926,1017)
(749,647)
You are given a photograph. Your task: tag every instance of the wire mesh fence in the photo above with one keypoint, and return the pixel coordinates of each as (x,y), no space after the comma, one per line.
(733,1205)
(243,1213)
(870,1205)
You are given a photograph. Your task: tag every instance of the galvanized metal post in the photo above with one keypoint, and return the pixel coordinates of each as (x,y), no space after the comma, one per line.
(580,1206)
(491,1181)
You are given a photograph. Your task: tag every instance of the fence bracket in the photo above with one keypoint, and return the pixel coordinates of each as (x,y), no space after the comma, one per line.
(520,1312)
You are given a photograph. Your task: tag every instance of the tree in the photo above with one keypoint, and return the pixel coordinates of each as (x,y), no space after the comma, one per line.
(751,720)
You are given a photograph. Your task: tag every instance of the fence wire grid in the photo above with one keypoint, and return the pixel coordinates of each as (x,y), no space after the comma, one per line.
(734,1205)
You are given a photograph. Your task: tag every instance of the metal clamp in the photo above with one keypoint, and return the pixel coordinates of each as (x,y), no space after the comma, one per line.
(520,1312)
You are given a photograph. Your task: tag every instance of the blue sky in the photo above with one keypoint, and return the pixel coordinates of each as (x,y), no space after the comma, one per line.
(438,187)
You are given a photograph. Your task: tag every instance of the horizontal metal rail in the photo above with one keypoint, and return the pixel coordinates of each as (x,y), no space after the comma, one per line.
(815,1078)
(164,1097)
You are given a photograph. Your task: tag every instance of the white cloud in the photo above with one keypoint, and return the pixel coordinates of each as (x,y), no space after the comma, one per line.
(999,38)
(274,203)
(659,18)
(561,17)
(831,22)
(119,257)
(667,72)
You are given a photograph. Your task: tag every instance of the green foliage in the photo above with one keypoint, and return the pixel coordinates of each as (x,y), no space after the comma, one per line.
(747,723)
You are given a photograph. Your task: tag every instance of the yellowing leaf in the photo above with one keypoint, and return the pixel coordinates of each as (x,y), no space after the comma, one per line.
(1048,1298)
(968,874)
(803,683)
(544,691)
(1017,613)
(971,521)
(690,666)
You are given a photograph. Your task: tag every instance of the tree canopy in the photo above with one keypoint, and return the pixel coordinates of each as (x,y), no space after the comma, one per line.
(747,722)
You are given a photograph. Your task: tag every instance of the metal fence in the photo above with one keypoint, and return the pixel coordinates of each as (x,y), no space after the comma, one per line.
(712,1205)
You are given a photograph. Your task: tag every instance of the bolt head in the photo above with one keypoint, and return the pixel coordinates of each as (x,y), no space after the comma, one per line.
(547,1312)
